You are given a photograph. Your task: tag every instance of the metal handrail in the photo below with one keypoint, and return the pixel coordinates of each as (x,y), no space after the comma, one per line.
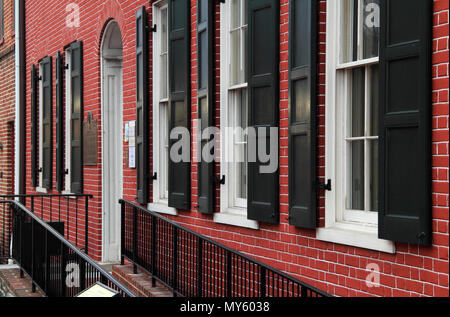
(179,228)
(105,276)
(62,208)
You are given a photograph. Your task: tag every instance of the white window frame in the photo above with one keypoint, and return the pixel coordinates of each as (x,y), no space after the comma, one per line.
(363,231)
(40,188)
(229,214)
(158,204)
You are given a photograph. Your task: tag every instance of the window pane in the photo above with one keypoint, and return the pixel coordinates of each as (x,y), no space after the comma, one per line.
(374,100)
(235,62)
(371,28)
(358,102)
(163,150)
(374,179)
(235,14)
(357,176)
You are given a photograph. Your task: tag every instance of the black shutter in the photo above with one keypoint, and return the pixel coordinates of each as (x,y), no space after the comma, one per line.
(47,124)
(34,127)
(205,54)
(263,106)
(302,113)
(179,98)
(405,121)
(142,117)
(59,86)
(76,108)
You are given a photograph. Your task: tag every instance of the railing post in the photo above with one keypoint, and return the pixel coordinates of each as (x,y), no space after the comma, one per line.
(82,266)
(20,219)
(86,225)
(263,281)
(154,253)
(199,267)
(135,242)
(122,233)
(229,272)
(304,291)
(175,260)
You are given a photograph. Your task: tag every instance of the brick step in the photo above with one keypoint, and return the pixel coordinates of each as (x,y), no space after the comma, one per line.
(140,284)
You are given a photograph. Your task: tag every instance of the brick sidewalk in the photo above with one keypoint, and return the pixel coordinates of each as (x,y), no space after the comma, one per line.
(20,287)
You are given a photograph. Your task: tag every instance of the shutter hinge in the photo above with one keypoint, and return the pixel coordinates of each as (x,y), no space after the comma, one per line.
(220,181)
(154,177)
(152,29)
(66,172)
(325,186)
(66,66)
(40,170)
(40,78)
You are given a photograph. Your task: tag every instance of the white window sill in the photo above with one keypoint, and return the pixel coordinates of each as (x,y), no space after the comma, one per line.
(357,236)
(41,190)
(232,219)
(162,209)
(69,193)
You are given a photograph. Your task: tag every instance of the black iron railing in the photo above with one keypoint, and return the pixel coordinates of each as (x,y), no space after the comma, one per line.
(54,265)
(69,214)
(193,265)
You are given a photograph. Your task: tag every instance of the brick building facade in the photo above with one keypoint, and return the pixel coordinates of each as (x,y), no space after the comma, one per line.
(99,39)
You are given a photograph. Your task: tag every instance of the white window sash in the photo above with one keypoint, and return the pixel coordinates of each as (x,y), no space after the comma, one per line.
(159,205)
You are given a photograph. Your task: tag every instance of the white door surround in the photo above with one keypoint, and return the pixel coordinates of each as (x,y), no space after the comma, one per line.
(112,140)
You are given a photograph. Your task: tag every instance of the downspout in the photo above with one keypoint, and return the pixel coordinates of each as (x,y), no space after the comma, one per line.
(20,92)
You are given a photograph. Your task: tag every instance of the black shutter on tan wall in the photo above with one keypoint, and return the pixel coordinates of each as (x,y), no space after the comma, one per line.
(142,104)
(76,108)
(302,113)
(59,86)
(34,127)
(47,122)
(179,98)
(263,107)
(205,54)
(405,121)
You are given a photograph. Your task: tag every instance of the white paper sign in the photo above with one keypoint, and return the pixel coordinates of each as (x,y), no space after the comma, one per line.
(132,157)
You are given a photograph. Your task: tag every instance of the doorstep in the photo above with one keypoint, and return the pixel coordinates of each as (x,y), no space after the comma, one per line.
(141,283)
(12,285)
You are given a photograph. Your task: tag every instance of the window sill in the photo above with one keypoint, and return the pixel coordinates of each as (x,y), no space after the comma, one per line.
(228,218)
(41,190)
(162,209)
(356,236)
(69,193)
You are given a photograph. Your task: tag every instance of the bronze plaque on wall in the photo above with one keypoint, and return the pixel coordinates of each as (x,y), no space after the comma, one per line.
(90,142)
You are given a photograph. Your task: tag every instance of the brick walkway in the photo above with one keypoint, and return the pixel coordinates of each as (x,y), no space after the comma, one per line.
(141,283)
(20,287)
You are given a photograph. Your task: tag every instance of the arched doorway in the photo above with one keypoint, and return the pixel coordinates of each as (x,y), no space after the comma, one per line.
(112,139)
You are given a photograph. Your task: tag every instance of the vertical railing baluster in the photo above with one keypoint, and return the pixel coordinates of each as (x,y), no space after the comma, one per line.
(86,225)
(199,267)
(33,287)
(47,263)
(229,272)
(135,245)
(263,281)
(175,260)
(62,271)
(122,233)
(154,245)
(76,222)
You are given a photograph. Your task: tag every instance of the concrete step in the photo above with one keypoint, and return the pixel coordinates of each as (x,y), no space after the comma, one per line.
(141,283)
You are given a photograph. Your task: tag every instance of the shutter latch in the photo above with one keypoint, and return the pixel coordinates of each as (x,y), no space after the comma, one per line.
(325,186)
(220,181)
(155,177)
(152,29)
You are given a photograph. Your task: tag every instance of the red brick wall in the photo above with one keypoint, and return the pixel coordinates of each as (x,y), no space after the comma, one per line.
(337,269)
